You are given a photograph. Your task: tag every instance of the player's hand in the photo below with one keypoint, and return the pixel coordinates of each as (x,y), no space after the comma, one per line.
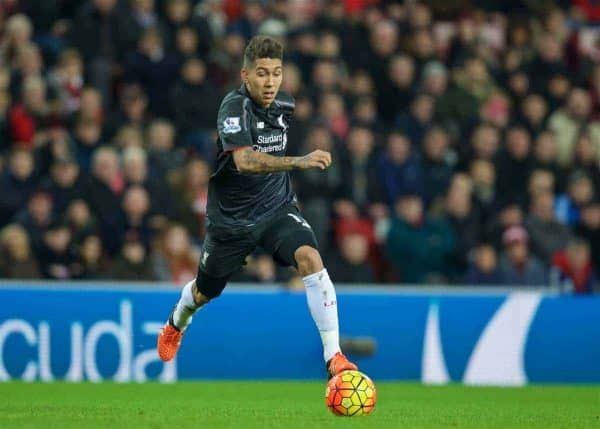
(316,159)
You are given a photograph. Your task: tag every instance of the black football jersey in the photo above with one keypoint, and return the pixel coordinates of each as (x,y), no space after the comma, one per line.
(241,200)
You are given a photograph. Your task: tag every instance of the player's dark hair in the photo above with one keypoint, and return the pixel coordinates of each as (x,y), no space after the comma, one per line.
(262,47)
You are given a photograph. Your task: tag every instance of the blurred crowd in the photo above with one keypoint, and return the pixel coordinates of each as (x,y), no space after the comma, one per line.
(465,136)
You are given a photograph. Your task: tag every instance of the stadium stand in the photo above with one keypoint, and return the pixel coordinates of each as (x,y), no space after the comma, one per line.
(465,136)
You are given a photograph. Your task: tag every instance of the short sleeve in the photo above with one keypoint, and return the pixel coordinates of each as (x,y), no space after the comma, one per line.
(233,124)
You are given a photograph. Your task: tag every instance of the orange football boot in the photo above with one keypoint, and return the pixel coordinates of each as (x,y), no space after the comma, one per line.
(339,363)
(169,340)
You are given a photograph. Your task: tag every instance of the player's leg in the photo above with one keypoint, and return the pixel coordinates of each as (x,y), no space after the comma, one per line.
(192,298)
(320,295)
(322,302)
(292,242)
(220,258)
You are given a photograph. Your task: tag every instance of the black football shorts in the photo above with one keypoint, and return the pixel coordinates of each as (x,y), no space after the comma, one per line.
(224,252)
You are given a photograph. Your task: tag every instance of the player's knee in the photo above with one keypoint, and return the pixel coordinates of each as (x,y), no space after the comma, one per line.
(207,287)
(199,298)
(308,260)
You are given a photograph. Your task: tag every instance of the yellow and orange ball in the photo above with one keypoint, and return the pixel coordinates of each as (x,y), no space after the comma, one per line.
(350,393)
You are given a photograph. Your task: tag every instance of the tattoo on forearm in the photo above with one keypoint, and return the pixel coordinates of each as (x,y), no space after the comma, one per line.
(257,162)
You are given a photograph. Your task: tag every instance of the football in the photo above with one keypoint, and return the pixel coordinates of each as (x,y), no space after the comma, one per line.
(350,393)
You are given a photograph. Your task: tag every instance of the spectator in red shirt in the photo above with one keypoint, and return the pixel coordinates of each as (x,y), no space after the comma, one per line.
(27,120)
(590,8)
(175,259)
(574,265)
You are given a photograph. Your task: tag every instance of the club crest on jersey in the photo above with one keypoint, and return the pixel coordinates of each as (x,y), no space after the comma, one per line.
(282,123)
(260,125)
(231,125)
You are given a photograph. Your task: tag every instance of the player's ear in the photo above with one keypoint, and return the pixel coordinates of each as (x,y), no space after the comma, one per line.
(244,75)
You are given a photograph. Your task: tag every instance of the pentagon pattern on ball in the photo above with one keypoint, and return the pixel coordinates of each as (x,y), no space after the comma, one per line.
(350,393)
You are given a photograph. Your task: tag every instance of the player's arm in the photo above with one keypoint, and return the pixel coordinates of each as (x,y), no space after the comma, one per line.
(247,160)
(234,133)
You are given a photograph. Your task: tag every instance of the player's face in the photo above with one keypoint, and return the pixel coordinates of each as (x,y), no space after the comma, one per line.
(263,80)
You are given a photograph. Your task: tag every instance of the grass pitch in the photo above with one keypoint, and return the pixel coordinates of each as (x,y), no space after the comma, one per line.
(291,405)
